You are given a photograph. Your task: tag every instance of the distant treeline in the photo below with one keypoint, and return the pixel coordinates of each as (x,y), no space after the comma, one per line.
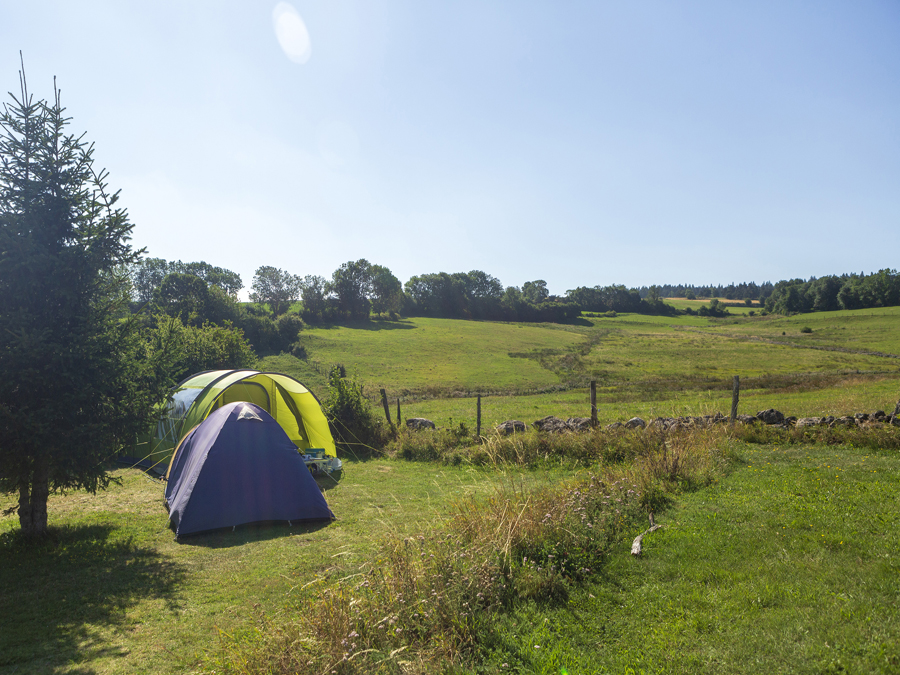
(848,291)
(200,297)
(742,291)
(478,295)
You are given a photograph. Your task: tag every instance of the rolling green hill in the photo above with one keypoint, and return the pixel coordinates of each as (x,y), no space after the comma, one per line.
(111,591)
(643,365)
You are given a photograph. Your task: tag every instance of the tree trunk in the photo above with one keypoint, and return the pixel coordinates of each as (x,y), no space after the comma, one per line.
(33,502)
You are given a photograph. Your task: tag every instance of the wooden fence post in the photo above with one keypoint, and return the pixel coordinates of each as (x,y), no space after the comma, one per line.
(478,419)
(398,412)
(593,403)
(387,410)
(735,395)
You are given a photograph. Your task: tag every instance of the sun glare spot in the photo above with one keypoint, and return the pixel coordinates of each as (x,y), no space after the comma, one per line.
(291,33)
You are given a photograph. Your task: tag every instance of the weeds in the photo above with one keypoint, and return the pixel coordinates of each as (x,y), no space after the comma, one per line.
(876,437)
(353,424)
(429,602)
(532,448)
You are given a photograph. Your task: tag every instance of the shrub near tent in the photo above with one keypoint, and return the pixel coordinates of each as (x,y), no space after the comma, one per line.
(239,467)
(290,403)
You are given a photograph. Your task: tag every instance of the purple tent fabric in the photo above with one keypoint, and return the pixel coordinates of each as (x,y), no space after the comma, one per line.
(240,467)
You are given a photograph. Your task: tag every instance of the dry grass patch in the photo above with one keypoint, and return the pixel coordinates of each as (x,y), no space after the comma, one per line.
(429,602)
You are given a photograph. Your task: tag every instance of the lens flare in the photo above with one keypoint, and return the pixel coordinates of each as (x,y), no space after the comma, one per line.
(291,33)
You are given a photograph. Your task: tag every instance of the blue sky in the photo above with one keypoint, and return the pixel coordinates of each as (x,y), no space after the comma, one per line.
(583,143)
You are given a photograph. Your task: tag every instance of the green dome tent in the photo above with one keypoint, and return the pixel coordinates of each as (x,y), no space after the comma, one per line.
(294,407)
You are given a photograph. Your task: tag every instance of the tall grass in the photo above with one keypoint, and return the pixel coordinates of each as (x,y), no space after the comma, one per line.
(532,448)
(427,603)
(876,437)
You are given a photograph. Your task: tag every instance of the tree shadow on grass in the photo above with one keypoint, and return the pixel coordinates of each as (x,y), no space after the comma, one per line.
(580,321)
(374,325)
(61,591)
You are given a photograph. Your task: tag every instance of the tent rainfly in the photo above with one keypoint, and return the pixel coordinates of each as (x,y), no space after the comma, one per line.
(294,407)
(239,467)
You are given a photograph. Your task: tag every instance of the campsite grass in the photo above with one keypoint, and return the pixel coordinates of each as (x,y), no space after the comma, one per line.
(112,591)
(790,564)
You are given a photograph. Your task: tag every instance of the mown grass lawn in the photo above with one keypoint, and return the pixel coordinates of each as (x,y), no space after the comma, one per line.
(112,591)
(789,565)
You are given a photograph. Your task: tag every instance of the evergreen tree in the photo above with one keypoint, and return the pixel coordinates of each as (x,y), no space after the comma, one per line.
(78,381)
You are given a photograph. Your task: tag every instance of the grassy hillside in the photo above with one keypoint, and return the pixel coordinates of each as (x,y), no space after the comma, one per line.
(111,591)
(643,365)
(443,355)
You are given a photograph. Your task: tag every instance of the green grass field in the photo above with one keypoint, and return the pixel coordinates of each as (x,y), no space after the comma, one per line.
(643,365)
(789,565)
(734,306)
(112,591)
(741,578)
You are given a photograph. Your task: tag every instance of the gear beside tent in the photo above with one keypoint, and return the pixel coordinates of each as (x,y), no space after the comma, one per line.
(294,407)
(238,467)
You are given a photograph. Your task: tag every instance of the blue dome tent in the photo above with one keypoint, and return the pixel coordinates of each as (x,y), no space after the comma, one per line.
(237,467)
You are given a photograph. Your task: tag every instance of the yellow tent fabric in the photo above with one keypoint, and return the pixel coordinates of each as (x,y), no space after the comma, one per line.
(294,407)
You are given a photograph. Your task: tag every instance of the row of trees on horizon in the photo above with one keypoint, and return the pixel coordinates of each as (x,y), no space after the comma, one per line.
(358,289)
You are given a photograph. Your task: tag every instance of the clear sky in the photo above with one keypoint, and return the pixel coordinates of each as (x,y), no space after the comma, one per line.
(584,143)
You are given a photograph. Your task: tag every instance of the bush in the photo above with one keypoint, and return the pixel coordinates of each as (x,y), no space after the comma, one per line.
(350,415)
(289,327)
(208,347)
(806,329)
(259,329)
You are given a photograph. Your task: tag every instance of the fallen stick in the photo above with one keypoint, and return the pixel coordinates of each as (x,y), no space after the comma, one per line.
(636,544)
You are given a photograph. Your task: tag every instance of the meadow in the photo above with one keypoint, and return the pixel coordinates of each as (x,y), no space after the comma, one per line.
(643,365)
(778,553)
